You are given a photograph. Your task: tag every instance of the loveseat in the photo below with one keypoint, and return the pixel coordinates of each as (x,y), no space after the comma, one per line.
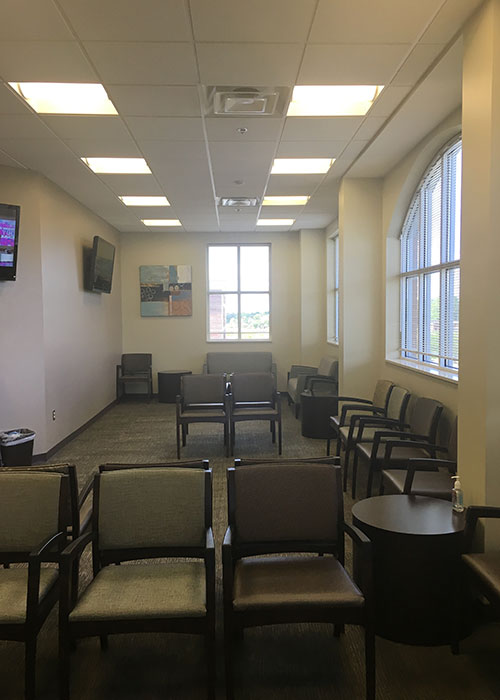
(229,362)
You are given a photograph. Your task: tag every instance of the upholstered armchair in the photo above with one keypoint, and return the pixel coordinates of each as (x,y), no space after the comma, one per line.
(135,368)
(300,376)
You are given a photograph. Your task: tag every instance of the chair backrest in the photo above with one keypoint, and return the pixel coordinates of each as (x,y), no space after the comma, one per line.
(133,362)
(247,387)
(382,393)
(425,417)
(33,506)
(398,402)
(203,388)
(329,367)
(453,441)
(155,508)
(291,502)
(188,463)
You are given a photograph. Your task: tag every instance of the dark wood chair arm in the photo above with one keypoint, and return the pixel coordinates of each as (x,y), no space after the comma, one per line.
(376,422)
(363,570)
(390,445)
(355,399)
(35,558)
(473,514)
(357,407)
(227,567)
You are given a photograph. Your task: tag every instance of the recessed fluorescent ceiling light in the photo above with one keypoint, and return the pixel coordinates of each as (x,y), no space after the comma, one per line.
(145,201)
(118,165)
(275,222)
(285,201)
(291,166)
(65,98)
(332,100)
(161,222)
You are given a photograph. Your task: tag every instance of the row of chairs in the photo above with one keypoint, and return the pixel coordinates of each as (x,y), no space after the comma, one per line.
(215,398)
(377,432)
(283,556)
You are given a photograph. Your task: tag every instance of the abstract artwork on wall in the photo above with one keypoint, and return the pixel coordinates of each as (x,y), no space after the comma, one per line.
(166,290)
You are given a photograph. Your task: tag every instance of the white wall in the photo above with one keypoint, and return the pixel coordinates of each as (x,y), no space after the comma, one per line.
(58,343)
(180,343)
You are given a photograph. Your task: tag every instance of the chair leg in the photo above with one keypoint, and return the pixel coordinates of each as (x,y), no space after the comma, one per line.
(103,638)
(328,448)
(184,435)
(30,669)
(178,435)
(280,438)
(297,409)
(228,657)
(64,665)
(210,654)
(273,431)
(369,484)
(370,663)
(354,473)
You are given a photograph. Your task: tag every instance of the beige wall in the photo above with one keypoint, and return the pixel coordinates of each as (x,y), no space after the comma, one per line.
(180,343)
(58,343)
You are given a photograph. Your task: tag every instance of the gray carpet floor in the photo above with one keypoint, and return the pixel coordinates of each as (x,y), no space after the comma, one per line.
(290,662)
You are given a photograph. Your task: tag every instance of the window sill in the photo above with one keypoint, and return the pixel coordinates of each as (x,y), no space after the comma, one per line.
(237,340)
(330,341)
(434,372)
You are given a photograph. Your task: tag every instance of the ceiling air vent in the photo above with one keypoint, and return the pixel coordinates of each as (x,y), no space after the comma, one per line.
(238,201)
(225,100)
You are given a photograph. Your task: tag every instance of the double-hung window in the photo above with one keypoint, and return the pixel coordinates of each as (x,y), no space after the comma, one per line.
(332,277)
(430,265)
(239,292)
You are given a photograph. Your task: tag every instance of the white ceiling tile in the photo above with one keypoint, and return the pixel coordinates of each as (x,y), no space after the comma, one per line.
(44,61)
(389,99)
(258,128)
(149,63)
(241,157)
(27,126)
(253,185)
(131,185)
(7,160)
(351,64)
(167,128)
(86,127)
(155,101)
(293,184)
(174,154)
(308,220)
(310,149)
(368,22)
(417,63)
(249,64)
(320,128)
(280,212)
(369,127)
(451,17)
(125,20)
(12,103)
(104,148)
(128,227)
(262,20)
(197,224)
(35,153)
(26,19)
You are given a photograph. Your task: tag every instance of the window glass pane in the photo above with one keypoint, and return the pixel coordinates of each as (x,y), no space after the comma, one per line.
(433,219)
(223,268)
(411,302)
(452,309)
(432,317)
(255,316)
(455,195)
(410,248)
(254,268)
(223,316)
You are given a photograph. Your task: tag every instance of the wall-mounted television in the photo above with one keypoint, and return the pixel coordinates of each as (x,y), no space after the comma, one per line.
(100,271)
(9,239)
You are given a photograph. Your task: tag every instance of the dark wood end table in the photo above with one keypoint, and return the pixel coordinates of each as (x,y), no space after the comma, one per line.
(169,384)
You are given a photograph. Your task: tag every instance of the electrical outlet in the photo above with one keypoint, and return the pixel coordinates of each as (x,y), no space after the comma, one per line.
(53,415)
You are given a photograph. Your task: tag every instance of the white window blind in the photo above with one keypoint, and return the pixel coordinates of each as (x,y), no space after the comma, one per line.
(430,264)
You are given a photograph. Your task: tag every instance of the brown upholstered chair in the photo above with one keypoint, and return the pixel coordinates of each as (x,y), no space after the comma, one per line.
(299,377)
(34,523)
(203,399)
(254,397)
(390,448)
(138,515)
(293,511)
(135,368)
(425,476)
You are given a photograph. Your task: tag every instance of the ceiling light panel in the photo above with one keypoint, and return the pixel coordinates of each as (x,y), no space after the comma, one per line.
(117,165)
(161,222)
(285,201)
(275,222)
(145,201)
(285,166)
(65,98)
(332,100)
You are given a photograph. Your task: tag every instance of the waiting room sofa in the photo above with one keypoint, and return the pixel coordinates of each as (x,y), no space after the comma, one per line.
(230,362)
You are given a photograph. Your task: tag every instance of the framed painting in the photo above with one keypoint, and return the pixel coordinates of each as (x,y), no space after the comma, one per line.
(166,290)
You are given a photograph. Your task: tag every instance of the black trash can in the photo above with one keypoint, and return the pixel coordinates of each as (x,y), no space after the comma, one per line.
(16,447)
(315,414)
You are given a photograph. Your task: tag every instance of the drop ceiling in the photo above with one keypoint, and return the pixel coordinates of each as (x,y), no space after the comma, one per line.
(156,59)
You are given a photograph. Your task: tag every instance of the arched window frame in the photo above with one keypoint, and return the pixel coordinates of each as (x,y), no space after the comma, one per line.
(430,265)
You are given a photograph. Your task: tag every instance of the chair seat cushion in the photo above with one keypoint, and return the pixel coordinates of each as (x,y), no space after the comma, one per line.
(399,454)
(281,581)
(487,567)
(138,591)
(203,413)
(262,412)
(433,484)
(13,592)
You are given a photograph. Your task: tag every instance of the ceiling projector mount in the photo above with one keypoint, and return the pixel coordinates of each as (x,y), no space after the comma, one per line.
(246,101)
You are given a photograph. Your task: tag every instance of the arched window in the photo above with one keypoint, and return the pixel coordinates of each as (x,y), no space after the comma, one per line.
(430,264)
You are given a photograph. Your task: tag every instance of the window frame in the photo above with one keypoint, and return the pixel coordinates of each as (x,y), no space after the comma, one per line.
(420,271)
(332,280)
(238,292)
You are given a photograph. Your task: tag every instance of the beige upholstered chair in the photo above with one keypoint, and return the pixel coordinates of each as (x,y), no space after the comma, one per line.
(424,476)
(203,399)
(254,397)
(389,448)
(34,521)
(293,511)
(138,515)
(135,368)
(299,375)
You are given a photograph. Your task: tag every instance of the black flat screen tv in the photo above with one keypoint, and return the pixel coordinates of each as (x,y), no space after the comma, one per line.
(101,266)
(9,239)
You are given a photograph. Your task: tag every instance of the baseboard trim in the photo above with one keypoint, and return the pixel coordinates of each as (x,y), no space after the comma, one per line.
(44,456)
